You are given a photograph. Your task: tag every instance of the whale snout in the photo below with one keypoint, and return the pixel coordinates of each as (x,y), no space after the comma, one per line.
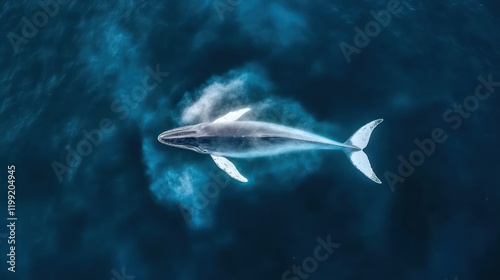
(173,136)
(162,138)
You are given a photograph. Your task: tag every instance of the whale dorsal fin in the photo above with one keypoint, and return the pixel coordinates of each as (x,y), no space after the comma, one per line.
(232,116)
(228,167)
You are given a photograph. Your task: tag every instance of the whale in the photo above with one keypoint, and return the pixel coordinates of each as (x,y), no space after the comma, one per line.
(228,137)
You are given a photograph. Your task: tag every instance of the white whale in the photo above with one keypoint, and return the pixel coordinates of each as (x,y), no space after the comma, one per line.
(227,137)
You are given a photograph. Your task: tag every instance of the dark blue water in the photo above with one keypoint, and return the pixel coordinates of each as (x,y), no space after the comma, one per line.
(87,86)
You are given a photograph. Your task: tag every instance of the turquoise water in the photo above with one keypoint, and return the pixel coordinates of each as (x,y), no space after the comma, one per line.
(87,86)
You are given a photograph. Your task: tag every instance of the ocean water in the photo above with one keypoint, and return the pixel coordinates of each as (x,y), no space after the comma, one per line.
(87,86)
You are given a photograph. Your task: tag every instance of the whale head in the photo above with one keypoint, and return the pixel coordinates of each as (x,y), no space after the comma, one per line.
(186,137)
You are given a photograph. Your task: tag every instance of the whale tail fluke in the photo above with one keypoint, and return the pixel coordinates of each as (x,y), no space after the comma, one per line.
(358,157)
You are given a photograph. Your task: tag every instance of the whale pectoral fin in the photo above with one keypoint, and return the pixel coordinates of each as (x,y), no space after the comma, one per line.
(232,116)
(228,167)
